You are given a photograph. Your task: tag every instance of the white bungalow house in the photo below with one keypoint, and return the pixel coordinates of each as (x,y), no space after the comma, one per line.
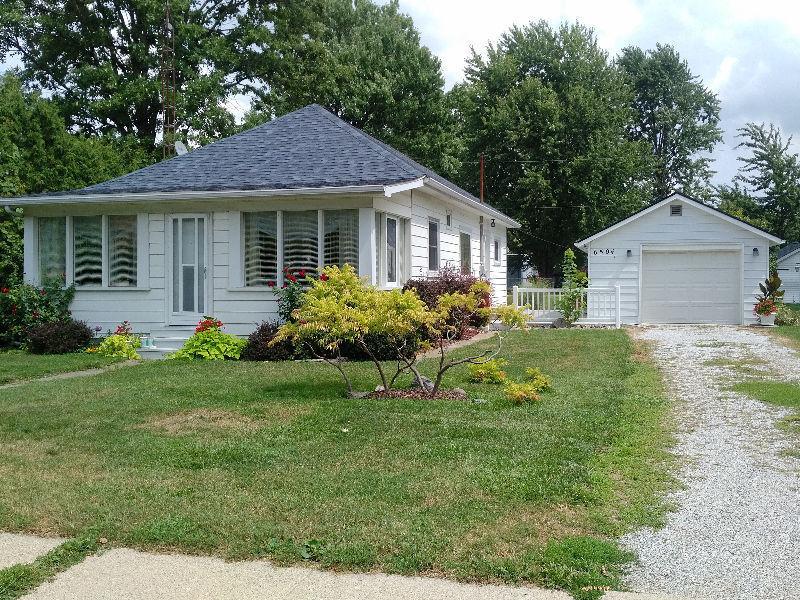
(210,232)
(680,261)
(789,272)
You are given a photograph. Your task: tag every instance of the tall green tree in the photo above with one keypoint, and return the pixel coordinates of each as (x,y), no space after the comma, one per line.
(100,61)
(770,174)
(551,113)
(366,64)
(676,115)
(38,154)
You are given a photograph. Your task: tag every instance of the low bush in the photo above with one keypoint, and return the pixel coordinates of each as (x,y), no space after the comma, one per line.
(58,337)
(537,379)
(490,371)
(787,316)
(209,342)
(450,281)
(520,393)
(118,345)
(25,306)
(259,345)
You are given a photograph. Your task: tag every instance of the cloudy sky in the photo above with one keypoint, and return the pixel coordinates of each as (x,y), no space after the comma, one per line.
(747,52)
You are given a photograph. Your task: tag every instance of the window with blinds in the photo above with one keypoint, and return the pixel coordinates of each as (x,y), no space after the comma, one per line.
(260,248)
(87,247)
(52,248)
(300,240)
(122,250)
(433,245)
(341,237)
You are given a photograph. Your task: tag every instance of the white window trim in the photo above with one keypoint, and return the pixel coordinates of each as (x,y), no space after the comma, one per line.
(142,255)
(497,256)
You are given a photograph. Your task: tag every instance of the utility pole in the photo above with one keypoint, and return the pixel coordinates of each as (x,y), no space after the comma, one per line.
(168,82)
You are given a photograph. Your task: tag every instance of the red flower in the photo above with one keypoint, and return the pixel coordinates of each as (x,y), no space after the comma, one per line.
(323,277)
(13,309)
(291,278)
(270,284)
(302,274)
(4,290)
(44,293)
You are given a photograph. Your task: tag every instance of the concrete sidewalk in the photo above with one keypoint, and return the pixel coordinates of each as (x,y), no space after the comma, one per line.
(124,574)
(18,549)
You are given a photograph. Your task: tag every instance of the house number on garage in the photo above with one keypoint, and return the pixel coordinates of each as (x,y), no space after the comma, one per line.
(598,251)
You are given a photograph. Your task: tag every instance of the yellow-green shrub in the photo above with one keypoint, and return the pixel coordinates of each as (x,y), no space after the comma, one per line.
(520,393)
(119,346)
(537,379)
(490,371)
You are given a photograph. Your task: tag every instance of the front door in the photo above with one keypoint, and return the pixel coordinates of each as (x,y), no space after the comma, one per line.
(188,295)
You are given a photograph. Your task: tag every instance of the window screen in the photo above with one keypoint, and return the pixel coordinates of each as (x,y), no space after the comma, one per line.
(52,248)
(260,248)
(433,245)
(88,250)
(341,237)
(300,239)
(122,250)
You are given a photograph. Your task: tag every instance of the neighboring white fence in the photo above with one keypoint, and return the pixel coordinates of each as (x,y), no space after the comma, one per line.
(600,305)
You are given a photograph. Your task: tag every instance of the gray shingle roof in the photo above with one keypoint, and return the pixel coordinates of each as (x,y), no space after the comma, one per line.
(788,249)
(307,148)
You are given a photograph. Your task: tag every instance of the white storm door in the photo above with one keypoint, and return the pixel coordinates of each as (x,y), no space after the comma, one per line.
(187,257)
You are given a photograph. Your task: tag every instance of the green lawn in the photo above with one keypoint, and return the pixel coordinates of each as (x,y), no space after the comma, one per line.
(247,460)
(16,365)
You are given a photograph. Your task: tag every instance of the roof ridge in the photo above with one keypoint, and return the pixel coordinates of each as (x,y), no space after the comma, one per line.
(372,141)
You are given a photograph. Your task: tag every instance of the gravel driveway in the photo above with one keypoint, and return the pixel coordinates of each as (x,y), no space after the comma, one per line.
(736,531)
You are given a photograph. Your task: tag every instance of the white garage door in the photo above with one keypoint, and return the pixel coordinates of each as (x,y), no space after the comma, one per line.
(691,287)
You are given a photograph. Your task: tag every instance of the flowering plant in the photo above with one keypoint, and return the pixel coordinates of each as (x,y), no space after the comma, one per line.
(124,328)
(765,307)
(25,306)
(208,324)
(295,284)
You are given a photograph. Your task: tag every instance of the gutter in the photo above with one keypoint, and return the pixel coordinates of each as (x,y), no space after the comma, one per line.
(189,195)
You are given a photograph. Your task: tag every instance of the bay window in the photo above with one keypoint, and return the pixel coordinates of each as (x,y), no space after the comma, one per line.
(297,240)
(52,248)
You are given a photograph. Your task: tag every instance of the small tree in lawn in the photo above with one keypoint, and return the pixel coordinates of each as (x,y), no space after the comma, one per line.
(571,301)
(341,308)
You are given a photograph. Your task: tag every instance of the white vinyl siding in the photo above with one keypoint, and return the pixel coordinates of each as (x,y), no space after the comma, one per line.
(789,272)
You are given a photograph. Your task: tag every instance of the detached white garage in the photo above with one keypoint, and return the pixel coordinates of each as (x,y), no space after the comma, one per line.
(681,261)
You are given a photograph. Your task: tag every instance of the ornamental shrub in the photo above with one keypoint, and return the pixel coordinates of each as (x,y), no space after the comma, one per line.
(520,393)
(490,371)
(209,342)
(118,345)
(24,306)
(290,296)
(537,379)
(259,345)
(571,302)
(58,337)
(787,316)
(450,281)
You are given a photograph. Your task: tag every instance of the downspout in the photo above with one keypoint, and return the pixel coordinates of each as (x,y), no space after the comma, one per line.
(482,270)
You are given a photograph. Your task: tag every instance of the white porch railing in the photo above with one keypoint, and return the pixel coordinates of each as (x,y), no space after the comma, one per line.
(599,305)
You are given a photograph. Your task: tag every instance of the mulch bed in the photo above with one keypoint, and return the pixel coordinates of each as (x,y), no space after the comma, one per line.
(418,394)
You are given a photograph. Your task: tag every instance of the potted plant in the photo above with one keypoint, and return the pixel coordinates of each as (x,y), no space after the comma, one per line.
(766,302)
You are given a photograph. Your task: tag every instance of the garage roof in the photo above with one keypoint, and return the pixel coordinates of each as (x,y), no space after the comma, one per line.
(583,244)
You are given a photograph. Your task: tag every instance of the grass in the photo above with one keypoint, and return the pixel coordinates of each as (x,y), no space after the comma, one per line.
(21,579)
(16,365)
(780,393)
(249,460)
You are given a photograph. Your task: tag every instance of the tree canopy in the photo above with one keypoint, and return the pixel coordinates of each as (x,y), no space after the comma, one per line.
(676,115)
(551,113)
